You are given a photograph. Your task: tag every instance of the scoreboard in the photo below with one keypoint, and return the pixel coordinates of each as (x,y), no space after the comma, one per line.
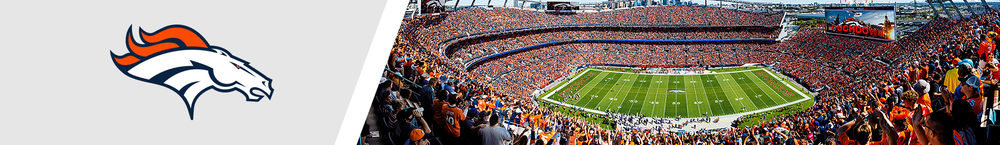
(867,22)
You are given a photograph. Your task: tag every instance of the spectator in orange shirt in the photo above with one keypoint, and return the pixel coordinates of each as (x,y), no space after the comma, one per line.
(910,99)
(451,115)
(986,46)
(439,118)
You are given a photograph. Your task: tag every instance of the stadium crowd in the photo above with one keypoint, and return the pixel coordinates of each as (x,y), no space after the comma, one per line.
(495,43)
(478,19)
(933,87)
(428,32)
(532,70)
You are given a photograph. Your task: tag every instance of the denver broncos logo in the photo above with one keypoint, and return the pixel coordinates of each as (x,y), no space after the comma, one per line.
(179,58)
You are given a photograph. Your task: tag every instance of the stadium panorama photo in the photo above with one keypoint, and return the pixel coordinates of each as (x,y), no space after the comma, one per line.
(732,72)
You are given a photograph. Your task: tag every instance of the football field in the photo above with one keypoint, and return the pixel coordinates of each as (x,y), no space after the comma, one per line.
(673,95)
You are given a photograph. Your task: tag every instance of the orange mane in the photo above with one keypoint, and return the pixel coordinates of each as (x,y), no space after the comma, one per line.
(170,37)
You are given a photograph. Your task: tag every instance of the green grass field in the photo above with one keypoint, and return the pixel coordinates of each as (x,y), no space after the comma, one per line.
(768,116)
(675,95)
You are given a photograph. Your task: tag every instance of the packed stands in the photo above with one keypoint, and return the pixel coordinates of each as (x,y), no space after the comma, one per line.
(931,87)
(492,44)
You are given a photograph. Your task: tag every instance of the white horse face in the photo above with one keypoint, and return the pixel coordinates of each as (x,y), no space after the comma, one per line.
(179,58)
(231,72)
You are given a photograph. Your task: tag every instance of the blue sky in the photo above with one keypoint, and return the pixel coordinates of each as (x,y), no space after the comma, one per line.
(510,2)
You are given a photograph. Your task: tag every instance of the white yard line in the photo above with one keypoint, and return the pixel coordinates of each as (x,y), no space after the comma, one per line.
(648,95)
(695,98)
(725,99)
(729,86)
(768,86)
(749,81)
(655,95)
(746,98)
(681,74)
(704,90)
(564,85)
(676,98)
(804,96)
(632,106)
(666,95)
(615,96)
(725,87)
(626,94)
(591,88)
(759,95)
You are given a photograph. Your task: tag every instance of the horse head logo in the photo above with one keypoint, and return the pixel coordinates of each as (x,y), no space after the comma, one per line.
(563,6)
(179,58)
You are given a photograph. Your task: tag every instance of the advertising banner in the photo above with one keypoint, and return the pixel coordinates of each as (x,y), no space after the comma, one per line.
(868,22)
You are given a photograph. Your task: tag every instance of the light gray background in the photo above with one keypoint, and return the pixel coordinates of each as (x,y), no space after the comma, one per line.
(60,86)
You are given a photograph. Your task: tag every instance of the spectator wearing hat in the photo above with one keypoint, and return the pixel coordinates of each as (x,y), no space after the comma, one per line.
(922,89)
(897,119)
(417,138)
(410,120)
(468,129)
(971,91)
(964,72)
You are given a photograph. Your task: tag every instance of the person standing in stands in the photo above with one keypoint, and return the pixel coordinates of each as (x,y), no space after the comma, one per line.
(427,94)
(494,134)
(468,129)
(971,93)
(453,114)
(439,118)
(409,120)
(939,129)
(910,99)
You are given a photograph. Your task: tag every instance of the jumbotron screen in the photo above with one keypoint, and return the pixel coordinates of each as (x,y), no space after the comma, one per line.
(432,6)
(561,6)
(868,22)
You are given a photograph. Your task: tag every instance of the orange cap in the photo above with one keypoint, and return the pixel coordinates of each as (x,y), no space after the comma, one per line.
(899,113)
(416,134)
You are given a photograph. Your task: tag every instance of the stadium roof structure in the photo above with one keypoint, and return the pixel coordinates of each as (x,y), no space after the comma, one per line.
(581,3)
(749,2)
